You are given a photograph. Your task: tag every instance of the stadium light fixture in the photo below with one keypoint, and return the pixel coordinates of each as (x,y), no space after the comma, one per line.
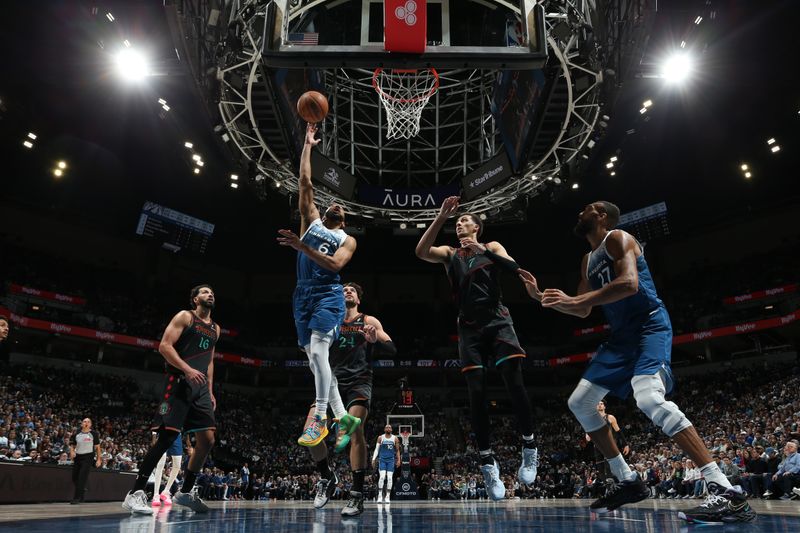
(127,43)
(575,186)
(132,66)
(58,172)
(161,101)
(647,103)
(643,110)
(201,163)
(421,225)
(188,144)
(609,165)
(771,140)
(234,185)
(62,165)
(677,68)
(165,107)
(482,216)
(683,44)
(196,157)
(32,136)
(698,20)
(110,17)
(775,148)
(27,144)
(613,174)
(613,158)
(744,166)
(197,170)
(234,177)
(403,225)
(748,175)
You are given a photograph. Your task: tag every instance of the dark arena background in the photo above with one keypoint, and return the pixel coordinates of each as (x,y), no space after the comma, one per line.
(148,147)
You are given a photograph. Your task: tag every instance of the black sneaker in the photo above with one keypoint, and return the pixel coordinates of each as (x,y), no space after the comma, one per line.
(325,489)
(355,505)
(721,506)
(619,494)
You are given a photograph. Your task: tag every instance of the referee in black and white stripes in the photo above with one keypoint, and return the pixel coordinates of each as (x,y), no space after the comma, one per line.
(84,447)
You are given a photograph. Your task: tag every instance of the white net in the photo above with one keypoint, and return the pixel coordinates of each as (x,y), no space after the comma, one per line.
(404,94)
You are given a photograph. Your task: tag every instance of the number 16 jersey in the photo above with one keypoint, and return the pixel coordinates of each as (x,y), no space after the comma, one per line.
(196,345)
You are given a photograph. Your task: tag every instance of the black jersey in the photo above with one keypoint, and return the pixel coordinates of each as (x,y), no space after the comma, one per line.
(196,345)
(473,278)
(348,354)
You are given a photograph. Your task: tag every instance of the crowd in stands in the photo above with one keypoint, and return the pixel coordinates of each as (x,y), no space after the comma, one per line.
(747,417)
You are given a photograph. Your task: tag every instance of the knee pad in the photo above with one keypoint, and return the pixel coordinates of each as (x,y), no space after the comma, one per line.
(319,336)
(583,404)
(649,394)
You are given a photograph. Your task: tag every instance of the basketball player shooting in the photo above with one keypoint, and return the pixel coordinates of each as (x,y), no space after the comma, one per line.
(485,332)
(319,307)
(636,358)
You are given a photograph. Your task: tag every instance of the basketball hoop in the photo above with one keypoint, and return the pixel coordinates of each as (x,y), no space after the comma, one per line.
(404,94)
(405,436)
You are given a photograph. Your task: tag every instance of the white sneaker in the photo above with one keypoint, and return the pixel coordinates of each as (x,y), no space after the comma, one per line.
(325,489)
(530,462)
(796,490)
(191,500)
(137,502)
(380,498)
(491,476)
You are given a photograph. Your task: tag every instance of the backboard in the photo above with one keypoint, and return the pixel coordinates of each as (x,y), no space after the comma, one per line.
(350,34)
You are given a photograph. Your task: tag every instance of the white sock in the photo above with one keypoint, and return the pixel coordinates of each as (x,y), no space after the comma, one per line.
(713,474)
(173,472)
(336,400)
(157,475)
(620,468)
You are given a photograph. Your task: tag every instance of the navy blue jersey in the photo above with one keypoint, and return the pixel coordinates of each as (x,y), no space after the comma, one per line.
(387,450)
(627,311)
(327,241)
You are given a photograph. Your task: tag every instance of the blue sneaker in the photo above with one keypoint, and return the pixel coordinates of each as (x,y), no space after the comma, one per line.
(494,486)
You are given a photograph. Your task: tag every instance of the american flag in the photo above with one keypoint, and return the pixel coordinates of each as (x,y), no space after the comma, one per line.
(304,38)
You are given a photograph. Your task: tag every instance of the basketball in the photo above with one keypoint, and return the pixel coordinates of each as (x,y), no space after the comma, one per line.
(312,106)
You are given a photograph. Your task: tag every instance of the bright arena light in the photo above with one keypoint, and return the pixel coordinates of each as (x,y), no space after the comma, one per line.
(62,165)
(575,185)
(677,68)
(132,65)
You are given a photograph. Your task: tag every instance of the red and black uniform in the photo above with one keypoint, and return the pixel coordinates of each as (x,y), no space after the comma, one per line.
(349,360)
(485,328)
(186,406)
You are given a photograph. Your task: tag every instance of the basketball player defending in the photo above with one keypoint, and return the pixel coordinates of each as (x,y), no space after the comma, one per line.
(188,401)
(319,308)
(361,336)
(386,457)
(175,453)
(635,358)
(485,331)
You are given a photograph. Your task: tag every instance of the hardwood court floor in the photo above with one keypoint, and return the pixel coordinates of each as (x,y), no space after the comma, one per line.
(557,516)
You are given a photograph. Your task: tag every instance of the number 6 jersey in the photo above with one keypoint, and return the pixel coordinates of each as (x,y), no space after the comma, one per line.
(196,345)
(327,241)
(627,312)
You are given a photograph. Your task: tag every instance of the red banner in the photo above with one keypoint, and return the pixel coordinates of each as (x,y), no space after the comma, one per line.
(726,331)
(589,331)
(760,295)
(46,295)
(405,26)
(421,462)
(114,338)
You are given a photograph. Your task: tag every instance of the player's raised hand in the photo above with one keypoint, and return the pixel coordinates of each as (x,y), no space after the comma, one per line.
(473,245)
(449,206)
(370,333)
(311,131)
(530,284)
(289,238)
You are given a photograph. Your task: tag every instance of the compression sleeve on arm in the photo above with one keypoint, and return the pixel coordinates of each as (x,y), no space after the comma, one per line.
(505,263)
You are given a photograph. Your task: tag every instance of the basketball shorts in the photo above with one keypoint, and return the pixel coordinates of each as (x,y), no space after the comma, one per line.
(487,340)
(386,464)
(184,407)
(643,349)
(355,389)
(317,308)
(176,448)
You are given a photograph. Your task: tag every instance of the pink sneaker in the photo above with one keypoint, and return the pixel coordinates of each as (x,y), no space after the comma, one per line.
(166,499)
(156,502)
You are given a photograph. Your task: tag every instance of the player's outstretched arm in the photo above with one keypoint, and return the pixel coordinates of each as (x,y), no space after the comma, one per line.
(557,299)
(425,249)
(171,335)
(334,262)
(308,210)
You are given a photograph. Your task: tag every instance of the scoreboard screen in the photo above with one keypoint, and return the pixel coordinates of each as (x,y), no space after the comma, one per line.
(177,231)
(647,223)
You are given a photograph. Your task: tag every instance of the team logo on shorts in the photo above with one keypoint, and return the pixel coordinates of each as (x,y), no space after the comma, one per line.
(163,408)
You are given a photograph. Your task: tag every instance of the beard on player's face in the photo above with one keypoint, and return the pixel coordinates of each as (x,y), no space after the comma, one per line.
(205,304)
(350,304)
(584,227)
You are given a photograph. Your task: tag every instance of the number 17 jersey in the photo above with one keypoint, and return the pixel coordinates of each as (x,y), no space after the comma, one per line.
(631,311)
